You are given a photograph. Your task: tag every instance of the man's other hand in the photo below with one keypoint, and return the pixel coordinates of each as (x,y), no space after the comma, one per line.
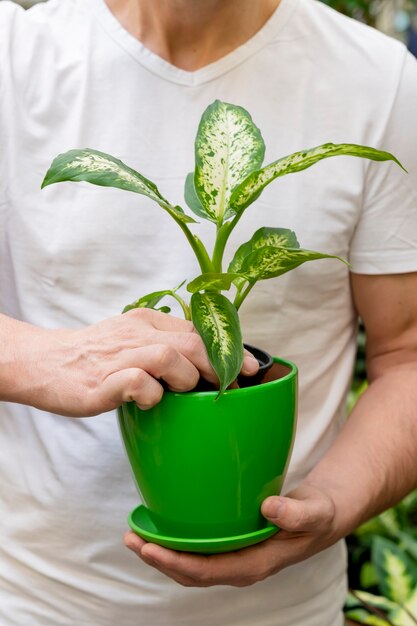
(306,518)
(92,370)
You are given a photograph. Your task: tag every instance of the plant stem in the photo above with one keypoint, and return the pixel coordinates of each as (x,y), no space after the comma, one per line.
(206,263)
(223,234)
(183,304)
(241,295)
(198,248)
(219,248)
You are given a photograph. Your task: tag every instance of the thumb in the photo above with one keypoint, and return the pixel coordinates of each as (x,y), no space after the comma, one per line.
(293,515)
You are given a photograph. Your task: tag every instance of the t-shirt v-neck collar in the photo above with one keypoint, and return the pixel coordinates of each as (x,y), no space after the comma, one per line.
(174,74)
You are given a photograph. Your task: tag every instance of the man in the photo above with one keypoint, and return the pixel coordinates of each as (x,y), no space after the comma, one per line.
(132,78)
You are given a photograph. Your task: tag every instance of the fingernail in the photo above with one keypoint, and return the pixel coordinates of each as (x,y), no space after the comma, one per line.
(274,509)
(279,509)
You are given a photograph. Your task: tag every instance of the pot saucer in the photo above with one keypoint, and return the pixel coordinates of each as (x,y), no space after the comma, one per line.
(141,523)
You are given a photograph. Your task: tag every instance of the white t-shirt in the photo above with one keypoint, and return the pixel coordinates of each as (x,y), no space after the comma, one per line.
(73,254)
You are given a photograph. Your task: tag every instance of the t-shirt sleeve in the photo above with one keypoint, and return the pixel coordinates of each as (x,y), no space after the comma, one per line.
(385,238)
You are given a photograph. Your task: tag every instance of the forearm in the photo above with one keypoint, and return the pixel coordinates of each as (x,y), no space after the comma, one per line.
(20,357)
(372,464)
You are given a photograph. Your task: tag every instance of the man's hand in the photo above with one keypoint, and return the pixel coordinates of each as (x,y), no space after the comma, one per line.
(93,370)
(307,521)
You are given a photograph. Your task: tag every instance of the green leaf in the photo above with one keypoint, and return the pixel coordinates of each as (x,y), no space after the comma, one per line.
(361,616)
(269,261)
(105,170)
(193,201)
(397,573)
(217,322)
(178,214)
(408,543)
(213,281)
(368,576)
(355,394)
(253,185)
(149,301)
(366,530)
(410,502)
(228,147)
(391,521)
(407,614)
(152,299)
(266,236)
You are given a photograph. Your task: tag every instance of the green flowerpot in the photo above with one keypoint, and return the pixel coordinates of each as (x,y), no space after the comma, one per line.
(203,467)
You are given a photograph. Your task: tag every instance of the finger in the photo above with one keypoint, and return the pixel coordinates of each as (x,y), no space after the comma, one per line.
(132,384)
(193,344)
(162,361)
(239,569)
(250,364)
(133,541)
(294,515)
(192,347)
(135,544)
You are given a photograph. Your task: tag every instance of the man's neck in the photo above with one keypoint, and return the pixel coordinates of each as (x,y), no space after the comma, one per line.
(192,33)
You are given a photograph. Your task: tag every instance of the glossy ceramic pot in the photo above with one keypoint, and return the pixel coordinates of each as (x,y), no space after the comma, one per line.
(203,466)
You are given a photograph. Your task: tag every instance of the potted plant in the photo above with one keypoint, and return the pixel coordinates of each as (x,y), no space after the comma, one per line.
(205,460)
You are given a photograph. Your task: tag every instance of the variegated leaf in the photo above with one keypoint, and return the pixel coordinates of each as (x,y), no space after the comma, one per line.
(105,170)
(407,614)
(370,599)
(253,185)
(268,262)
(397,573)
(213,281)
(266,236)
(361,616)
(228,147)
(193,201)
(217,322)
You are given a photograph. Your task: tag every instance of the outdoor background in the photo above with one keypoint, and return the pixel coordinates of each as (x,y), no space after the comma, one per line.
(383,552)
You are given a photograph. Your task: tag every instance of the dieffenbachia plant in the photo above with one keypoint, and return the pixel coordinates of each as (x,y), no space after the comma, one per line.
(228,177)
